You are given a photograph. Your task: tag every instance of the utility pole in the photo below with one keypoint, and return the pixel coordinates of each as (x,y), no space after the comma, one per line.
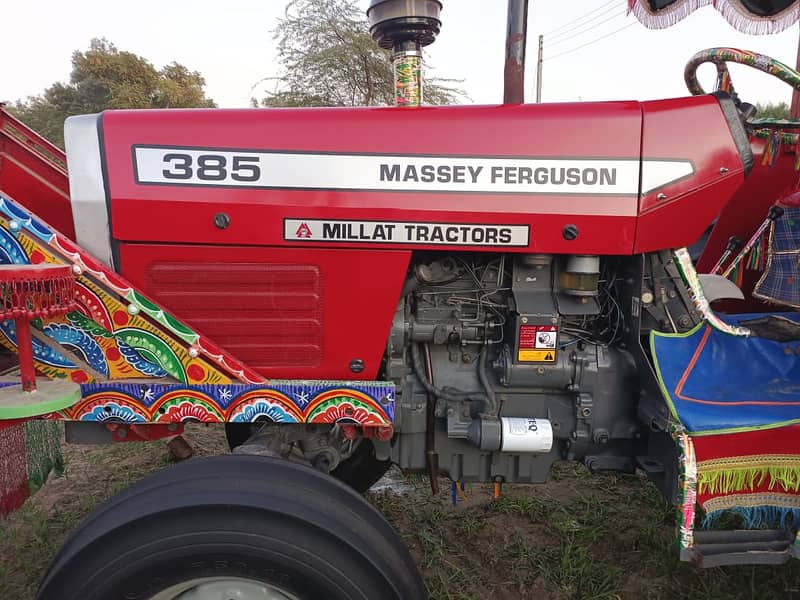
(539,71)
(516,34)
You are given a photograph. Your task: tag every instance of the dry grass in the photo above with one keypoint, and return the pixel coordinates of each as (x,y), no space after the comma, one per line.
(577,537)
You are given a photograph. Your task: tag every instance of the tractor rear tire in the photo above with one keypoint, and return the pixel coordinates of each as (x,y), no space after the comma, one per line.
(234,526)
(360,471)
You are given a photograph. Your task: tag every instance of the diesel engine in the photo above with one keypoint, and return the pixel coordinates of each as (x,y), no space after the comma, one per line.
(511,362)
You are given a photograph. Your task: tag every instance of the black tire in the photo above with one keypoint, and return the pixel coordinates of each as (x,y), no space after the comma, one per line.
(360,471)
(247,517)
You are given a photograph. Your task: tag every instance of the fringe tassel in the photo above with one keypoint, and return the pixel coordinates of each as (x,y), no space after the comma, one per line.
(723,79)
(733,10)
(13,467)
(43,446)
(736,274)
(757,258)
(665,17)
(771,149)
(797,156)
(728,481)
(757,516)
(742,19)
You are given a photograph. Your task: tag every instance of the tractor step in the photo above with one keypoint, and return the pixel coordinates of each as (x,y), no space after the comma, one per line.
(741,547)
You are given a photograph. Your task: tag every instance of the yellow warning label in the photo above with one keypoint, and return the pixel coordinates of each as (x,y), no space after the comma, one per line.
(536,356)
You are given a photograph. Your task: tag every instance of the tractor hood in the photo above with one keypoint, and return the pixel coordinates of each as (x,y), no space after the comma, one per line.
(599,178)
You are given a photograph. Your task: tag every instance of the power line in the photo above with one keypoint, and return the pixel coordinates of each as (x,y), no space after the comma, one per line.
(591,26)
(581,18)
(592,41)
(589,22)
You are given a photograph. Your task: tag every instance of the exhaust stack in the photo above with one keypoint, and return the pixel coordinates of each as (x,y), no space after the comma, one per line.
(405,27)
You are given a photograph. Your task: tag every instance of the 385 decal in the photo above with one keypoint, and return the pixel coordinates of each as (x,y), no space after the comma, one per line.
(299,170)
(211,167)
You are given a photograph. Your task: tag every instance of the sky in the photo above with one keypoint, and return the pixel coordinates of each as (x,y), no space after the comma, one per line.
(232,45)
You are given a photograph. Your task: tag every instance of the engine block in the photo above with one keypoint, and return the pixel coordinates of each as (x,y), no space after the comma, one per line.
(491,352)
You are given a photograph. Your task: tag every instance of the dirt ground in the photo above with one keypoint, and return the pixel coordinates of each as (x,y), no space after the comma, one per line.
(577,537)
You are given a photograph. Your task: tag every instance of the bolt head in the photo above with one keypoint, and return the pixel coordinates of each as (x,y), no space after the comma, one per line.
(222,220)
(570,232)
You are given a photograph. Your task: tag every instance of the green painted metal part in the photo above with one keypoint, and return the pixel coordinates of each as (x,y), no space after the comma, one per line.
(50,396)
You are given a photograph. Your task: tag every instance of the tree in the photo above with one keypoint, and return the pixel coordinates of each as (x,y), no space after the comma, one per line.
(328,58)
(772,110)
(106,77)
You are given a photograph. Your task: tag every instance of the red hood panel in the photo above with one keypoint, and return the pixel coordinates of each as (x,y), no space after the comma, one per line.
(522,178)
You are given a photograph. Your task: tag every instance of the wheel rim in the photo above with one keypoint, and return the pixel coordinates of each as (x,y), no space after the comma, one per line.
(224,588)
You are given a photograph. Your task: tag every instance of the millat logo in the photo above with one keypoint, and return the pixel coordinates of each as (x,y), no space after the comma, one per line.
(303,231)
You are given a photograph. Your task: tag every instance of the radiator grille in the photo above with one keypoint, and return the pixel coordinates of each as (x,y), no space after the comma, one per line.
(267,315)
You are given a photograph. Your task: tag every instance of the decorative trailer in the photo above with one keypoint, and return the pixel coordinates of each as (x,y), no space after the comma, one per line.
(475,293)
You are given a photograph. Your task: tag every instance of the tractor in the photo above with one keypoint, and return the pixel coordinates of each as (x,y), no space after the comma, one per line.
(470,292)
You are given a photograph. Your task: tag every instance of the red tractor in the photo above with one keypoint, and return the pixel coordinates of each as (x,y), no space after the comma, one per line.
(473,292)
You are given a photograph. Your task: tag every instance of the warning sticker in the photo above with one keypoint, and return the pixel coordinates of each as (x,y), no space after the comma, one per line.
(546,336)
(537,356)
(527,336)
(537,343)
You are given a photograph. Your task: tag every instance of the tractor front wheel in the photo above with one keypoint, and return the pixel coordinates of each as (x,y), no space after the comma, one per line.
(244,527)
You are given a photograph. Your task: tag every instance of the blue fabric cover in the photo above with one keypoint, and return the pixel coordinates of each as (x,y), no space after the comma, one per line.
(786,230)
(735,383)
(781,280)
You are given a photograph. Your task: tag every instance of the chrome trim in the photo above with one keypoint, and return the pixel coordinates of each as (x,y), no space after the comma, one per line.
(87,187)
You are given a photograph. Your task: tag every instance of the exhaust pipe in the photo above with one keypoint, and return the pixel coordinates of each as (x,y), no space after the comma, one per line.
(405,26)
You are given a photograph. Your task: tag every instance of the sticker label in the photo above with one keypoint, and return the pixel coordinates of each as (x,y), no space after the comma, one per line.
(537,356)
(197,166)
(546,336)
(405,232)
(527,336)
(537,343)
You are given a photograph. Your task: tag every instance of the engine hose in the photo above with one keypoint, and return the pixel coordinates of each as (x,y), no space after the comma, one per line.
(431,457)
(448,394)
(409,286)
(483,377)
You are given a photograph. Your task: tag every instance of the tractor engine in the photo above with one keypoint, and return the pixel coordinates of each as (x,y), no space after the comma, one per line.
(510,363)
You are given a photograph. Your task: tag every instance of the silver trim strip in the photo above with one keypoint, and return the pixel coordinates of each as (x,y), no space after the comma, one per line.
(87,186)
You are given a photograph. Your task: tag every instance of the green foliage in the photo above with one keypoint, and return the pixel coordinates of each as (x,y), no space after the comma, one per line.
(772,110)
(328,58)
(105,77)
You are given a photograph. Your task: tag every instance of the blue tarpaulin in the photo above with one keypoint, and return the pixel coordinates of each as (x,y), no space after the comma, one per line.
(719,383)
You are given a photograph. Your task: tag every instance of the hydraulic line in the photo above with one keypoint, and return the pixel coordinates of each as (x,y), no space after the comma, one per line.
(483,377)
(431,457)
